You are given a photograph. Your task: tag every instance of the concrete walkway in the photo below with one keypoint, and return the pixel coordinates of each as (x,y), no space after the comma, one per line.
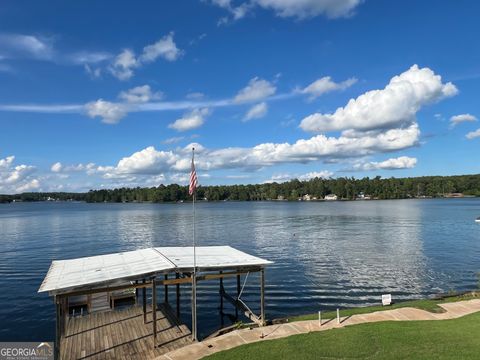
(245,336)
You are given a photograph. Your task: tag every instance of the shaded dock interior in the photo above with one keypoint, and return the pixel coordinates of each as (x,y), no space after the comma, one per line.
(123,334)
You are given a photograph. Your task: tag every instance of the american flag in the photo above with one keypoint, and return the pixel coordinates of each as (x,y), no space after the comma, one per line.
(193,180)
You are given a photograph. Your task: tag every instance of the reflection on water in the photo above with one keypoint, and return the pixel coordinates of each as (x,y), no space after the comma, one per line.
(326,254)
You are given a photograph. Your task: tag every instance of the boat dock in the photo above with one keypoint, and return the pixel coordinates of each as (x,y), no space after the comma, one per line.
(85,292)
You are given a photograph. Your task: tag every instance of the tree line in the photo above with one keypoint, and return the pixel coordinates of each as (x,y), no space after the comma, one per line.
(347,188)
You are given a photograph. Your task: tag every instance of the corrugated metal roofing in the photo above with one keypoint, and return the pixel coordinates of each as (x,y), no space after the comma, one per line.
(210,257)
(107,269)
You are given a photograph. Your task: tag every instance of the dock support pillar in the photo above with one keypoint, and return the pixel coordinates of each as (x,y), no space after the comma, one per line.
(154,311)
(262,296)
(144,297)
(177,276)
(166,290)
(238,295)
(136,293)
(58,323)
(221,294)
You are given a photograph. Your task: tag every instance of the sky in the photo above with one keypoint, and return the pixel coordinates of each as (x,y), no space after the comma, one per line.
(117,93)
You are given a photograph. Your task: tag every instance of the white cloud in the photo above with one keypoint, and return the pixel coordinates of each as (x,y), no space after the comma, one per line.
(299,9)
(15,179)
(402,162)
(111,113)
(457,119)
(325,85)
(126,62)
(139,168)
(317,148)
(473,134)
(89,168)
(6,163)
(164,48)
(26,46)
(93,72)
(173,140)
(191,120)
(57,167)
(146,161)
(302,9)
(394,106)
(256,111)
(236,12)
(324,174)
(123,65)
(140,94)
(257,89)
(89,57)
(283,177)
(31,185)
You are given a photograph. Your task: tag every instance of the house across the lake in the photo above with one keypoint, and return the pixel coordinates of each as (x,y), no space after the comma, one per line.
(331,197)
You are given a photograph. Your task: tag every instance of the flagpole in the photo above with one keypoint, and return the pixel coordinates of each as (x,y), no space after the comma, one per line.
(194,280)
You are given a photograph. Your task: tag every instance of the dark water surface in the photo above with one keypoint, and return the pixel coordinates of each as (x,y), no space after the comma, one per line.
(326,254)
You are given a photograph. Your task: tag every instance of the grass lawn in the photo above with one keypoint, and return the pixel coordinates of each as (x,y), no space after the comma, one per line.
(424,304)
(444,339)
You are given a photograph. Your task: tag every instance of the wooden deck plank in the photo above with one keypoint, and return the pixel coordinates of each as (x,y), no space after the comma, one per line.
(121,334)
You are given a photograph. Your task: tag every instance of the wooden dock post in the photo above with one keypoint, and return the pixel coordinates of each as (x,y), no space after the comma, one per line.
(154,311)
(166,290)
(238,295)
(262,296)
(221,294)
(144,296)
(58,330)
(177,276)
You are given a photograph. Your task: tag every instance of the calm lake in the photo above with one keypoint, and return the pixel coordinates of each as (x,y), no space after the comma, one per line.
(326,254)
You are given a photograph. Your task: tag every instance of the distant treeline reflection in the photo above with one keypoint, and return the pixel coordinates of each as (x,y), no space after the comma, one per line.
(318,188)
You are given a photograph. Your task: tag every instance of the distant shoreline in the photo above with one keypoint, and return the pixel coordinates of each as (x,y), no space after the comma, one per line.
(316,189)
(235,201)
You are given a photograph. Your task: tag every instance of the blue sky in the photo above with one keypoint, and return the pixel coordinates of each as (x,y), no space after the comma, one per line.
(114,93)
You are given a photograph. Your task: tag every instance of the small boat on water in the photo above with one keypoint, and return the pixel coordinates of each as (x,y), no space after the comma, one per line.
(477,220)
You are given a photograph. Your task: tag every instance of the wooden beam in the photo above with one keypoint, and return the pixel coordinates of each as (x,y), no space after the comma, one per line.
(221,297)
(222,275)
(177,275)
(188,279)
(154,312)
(144,296)
(184,280)
(64,314)
(58,329)
(166,289)
(238,304)
(238,295)
(106,289)
(262,296)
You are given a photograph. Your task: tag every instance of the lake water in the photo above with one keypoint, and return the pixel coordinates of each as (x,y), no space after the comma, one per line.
(326,254)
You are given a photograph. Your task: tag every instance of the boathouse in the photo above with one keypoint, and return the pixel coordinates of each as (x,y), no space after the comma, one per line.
(139,331)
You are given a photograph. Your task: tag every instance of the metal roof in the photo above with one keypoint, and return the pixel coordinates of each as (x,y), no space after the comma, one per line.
(210,257)
(65,275)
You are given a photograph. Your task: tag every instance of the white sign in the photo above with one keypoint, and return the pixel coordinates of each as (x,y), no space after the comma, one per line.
(386,299)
